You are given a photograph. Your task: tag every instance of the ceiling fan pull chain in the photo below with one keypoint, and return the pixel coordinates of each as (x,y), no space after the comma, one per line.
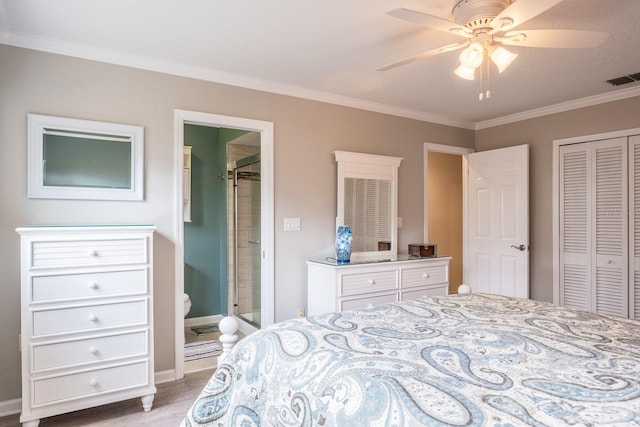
(487,93)
(481,94)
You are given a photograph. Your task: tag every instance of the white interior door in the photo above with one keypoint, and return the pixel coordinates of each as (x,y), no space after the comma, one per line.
(497,221)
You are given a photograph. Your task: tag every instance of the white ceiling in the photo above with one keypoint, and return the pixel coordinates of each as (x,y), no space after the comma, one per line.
(330,50)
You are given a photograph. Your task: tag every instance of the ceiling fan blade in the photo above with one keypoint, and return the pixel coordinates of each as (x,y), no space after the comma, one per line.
(430,21)
(520,11)
(424,55)
(554,38)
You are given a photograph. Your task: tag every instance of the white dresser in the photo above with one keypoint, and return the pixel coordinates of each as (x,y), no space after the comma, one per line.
(337,287)
(87,317)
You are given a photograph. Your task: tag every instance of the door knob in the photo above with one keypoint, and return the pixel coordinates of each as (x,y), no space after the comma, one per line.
(520,247)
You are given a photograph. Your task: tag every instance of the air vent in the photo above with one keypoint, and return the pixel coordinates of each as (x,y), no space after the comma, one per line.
(623,80)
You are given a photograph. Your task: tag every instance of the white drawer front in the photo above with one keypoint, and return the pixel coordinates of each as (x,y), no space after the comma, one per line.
(412,277)
(89,252)
(95,349)
(86,318)
(86,384)
(432,291)
(68,286)
(370,301)
(360,283)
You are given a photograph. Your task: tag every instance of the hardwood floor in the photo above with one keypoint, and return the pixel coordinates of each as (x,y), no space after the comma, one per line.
(170,405)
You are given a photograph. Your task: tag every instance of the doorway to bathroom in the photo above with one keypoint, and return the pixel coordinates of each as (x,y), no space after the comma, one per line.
(253,306)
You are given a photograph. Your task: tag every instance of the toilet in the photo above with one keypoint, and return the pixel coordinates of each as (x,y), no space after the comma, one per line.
(187,304)
(187,307)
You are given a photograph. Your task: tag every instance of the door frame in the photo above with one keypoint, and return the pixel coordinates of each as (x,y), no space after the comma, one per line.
(182,117)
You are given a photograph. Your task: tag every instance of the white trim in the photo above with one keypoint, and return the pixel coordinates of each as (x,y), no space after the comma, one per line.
(85,51)
(10,407)
(244,327)
(555,206)
(615,95)
(203,320)
(165,376)
(40,125)
(170,67)
(267,215)
(436,148)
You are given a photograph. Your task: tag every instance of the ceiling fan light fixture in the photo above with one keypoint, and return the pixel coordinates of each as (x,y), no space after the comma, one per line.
(465,72)
(502,57)
(472,56)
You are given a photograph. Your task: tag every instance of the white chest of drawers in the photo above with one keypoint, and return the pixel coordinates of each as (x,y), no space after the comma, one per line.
(332,287)
(87,318)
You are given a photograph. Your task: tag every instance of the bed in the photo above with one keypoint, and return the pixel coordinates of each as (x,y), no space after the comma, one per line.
(459,360)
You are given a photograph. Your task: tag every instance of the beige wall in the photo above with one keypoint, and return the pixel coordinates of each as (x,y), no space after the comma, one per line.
(306,133)
(540,133)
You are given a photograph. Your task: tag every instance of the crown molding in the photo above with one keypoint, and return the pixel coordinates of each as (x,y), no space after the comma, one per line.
(589,101)
(84,51)
(200,73)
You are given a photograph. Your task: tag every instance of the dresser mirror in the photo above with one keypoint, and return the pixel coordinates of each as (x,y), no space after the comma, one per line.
(367,202)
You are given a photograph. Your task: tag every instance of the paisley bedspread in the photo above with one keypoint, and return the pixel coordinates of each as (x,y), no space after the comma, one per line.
(460,360)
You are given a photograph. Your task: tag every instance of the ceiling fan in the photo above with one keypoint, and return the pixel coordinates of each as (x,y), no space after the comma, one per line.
(488,25)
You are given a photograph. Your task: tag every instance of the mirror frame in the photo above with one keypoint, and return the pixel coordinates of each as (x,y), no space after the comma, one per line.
(369,166)
(39,125)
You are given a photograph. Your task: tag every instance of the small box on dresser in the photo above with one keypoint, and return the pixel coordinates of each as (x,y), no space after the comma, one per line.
(86,317)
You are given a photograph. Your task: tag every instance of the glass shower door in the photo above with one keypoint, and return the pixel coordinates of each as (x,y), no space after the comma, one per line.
(246,175)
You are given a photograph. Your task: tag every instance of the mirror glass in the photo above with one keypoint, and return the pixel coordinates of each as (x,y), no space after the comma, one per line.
(367,203)
(86,160)
(367,210)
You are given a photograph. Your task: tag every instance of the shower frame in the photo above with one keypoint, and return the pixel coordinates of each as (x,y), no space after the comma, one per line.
(254,318)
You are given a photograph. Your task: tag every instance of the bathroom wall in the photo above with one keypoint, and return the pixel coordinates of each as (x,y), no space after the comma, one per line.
(205,237)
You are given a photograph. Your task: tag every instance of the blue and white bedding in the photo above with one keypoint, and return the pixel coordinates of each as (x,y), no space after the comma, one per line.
(461,360)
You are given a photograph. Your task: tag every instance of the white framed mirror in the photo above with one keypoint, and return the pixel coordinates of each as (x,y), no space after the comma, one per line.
(84,159)
(367,201)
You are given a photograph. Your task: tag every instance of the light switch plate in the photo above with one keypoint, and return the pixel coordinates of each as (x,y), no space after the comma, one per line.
(292,224)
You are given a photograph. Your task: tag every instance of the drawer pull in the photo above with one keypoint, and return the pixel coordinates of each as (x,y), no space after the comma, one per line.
(93,382)
(371,282)
(93,285)
(93,252)
(93,317)
(425,275)
(93,350)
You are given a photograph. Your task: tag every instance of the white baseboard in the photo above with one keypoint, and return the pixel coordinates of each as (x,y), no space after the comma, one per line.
(10,407)
(165,376)
(204,320)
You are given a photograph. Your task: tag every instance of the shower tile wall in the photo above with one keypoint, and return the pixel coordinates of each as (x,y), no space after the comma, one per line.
(236,152)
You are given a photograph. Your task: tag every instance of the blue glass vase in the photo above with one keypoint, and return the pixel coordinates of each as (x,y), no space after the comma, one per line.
(344,243)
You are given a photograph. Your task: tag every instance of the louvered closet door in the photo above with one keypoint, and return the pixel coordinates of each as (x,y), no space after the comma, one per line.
(575,226)
(594,227)
(634,226)
(609,267)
